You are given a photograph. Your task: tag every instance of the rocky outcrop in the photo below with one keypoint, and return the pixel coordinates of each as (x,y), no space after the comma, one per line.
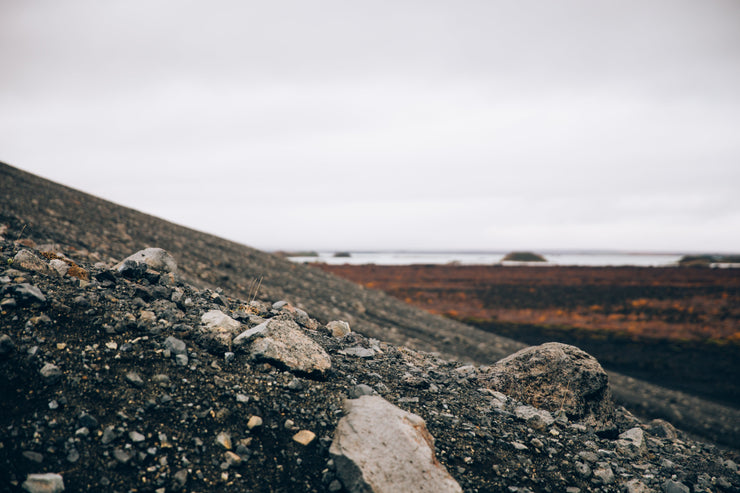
(378,447)
(556,377)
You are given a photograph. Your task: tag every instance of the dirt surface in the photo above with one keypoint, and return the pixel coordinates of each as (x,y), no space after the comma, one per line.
(91,229)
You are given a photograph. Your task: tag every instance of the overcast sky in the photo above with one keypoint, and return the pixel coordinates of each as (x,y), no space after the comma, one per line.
(348,125)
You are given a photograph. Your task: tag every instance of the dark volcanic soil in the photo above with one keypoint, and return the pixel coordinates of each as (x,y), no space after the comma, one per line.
(90,229)
(95,393)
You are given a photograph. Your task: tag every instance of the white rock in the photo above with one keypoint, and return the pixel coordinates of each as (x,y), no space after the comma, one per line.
(219,327)
(338,328)
(379,447)
(156,258)
(283,342)
(60,266)
(632,443)
(44,483)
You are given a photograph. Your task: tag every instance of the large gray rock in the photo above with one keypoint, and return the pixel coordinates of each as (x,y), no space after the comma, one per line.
(554,376)
(283,342)
(379,447)
(156,258)
(44,483)
(219,327)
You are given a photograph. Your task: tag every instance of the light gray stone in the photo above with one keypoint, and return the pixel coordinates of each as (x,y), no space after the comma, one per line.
(358,351)
(175,345)
(631,443)
(44,483)
(379,447)
(603,475)
(671,486)
(51,373)
(284,343)
(247,335)
(156,258)
(636,486)
(536,418)
(219,327)
(338,328)
(60,266)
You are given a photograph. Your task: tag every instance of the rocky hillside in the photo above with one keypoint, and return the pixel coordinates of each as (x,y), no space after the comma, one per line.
(119,375)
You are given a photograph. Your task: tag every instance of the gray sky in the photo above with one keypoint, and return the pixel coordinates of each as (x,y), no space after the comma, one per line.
(488,125)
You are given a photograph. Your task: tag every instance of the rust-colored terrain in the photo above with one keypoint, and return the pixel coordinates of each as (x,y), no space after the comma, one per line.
(665,303)
(675,326)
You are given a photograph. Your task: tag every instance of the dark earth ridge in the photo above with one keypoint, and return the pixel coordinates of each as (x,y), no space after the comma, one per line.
(95,229)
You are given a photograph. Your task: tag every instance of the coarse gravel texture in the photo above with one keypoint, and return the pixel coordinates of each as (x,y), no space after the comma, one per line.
(97,388)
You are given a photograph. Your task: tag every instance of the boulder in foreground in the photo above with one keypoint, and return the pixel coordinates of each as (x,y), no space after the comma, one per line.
(379,447)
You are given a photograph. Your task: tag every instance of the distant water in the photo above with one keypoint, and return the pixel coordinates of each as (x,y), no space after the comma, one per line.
(466,258)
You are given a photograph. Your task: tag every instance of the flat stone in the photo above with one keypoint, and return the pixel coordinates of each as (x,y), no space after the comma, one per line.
(380,447)
(358,351)
(635,486)
(44,483)
(28,294)
(360,390)
(224,439)
(304,437)
(603,475)
(7,346)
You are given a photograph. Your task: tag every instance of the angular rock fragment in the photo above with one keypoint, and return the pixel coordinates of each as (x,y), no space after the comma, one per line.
(338,328)
(380,447)
(27,260)
(51,373)
(304,437)
(156,258)
(27,294)
(175,345)
(554,376)
(219,328)
(283,342)
(631,443)
(44,483)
